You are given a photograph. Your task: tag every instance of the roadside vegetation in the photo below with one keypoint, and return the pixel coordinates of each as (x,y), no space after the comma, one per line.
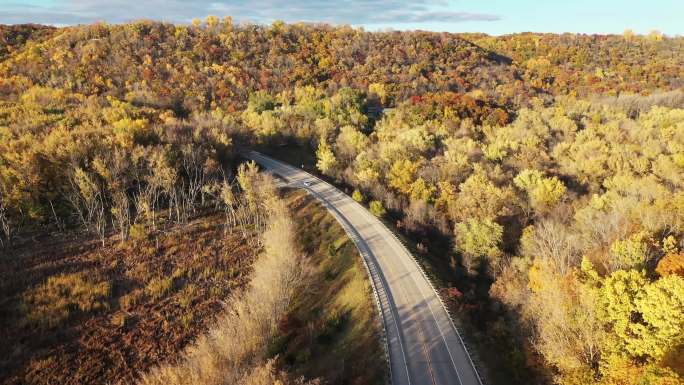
(306,311)
(332,331)
(539,177)
(235,349)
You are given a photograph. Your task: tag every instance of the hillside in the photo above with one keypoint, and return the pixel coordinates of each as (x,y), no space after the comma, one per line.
(538,178)
(219,64)
(75,313)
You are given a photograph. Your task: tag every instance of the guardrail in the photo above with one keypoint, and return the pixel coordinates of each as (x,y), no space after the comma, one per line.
(441,301)
(423,273)
(370,270)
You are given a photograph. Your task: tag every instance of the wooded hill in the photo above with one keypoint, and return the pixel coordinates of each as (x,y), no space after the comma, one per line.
(541,176)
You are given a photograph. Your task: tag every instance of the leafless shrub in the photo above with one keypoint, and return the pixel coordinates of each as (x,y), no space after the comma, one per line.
(88,200)
(5,225)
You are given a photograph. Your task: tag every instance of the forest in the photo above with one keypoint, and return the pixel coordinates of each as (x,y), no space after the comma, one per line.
(539,176)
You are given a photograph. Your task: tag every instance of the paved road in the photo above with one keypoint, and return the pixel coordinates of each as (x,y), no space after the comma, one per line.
(423,344)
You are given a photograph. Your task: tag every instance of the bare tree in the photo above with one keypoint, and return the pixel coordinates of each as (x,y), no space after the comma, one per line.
(88,200)
(193,180)
(553,241)
(121,213)
(5,224)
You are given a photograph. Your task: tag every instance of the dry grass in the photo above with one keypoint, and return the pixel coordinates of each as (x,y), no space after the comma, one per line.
(111,336)
(234,350)
(158,288)
(62,296)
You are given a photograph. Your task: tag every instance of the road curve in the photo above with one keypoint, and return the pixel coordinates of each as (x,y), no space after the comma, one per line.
(423,344)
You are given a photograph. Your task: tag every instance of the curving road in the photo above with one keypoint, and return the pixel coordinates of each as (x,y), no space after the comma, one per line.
(422,342)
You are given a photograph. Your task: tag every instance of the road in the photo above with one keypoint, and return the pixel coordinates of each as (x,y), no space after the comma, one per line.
(423,344)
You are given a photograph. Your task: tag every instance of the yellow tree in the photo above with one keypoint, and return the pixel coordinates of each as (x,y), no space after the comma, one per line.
(325,158)
(543,193)
(661,305)
(402,174)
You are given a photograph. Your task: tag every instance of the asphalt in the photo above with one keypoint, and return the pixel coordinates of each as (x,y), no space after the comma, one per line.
(423,344)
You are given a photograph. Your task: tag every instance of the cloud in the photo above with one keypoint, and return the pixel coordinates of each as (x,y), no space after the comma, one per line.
(355,12)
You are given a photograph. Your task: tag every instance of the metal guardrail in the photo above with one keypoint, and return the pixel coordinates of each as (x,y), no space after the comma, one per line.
(424,274)
(441,301)
(355,238)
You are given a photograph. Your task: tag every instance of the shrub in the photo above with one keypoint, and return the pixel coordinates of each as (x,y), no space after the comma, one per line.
(131,299)
(189,293)
(377,209)
(357,196)
(138,232)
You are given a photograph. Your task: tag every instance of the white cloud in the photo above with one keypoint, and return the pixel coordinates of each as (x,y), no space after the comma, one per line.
(265,11)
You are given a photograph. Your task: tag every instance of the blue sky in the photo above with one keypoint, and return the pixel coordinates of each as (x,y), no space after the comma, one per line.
(489,16)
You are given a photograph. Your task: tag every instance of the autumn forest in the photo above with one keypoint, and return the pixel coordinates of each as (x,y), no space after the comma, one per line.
(539,179)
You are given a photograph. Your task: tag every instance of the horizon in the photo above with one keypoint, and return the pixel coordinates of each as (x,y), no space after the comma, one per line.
(496,18)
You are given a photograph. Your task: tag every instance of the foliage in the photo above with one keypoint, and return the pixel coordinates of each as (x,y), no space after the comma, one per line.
(477,239)
(671,264)
(377,209)
(357,196)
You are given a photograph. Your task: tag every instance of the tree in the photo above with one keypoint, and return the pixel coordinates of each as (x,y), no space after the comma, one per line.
(630,253)
(421,191)
(478,197)
(672,263)
(88,200)
(619,294)
(543,193)
(402,174)
(661,305)
(350,142)
(479,240)
(5,224)
(326,161)
(565,312)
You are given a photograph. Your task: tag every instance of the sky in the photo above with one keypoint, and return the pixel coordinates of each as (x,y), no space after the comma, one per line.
(494,17)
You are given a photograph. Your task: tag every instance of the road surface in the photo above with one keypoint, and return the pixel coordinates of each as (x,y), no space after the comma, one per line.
(423,345)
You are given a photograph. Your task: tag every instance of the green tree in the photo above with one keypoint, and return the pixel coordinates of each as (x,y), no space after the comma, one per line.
(377,209)
(479,239)
(357,196)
